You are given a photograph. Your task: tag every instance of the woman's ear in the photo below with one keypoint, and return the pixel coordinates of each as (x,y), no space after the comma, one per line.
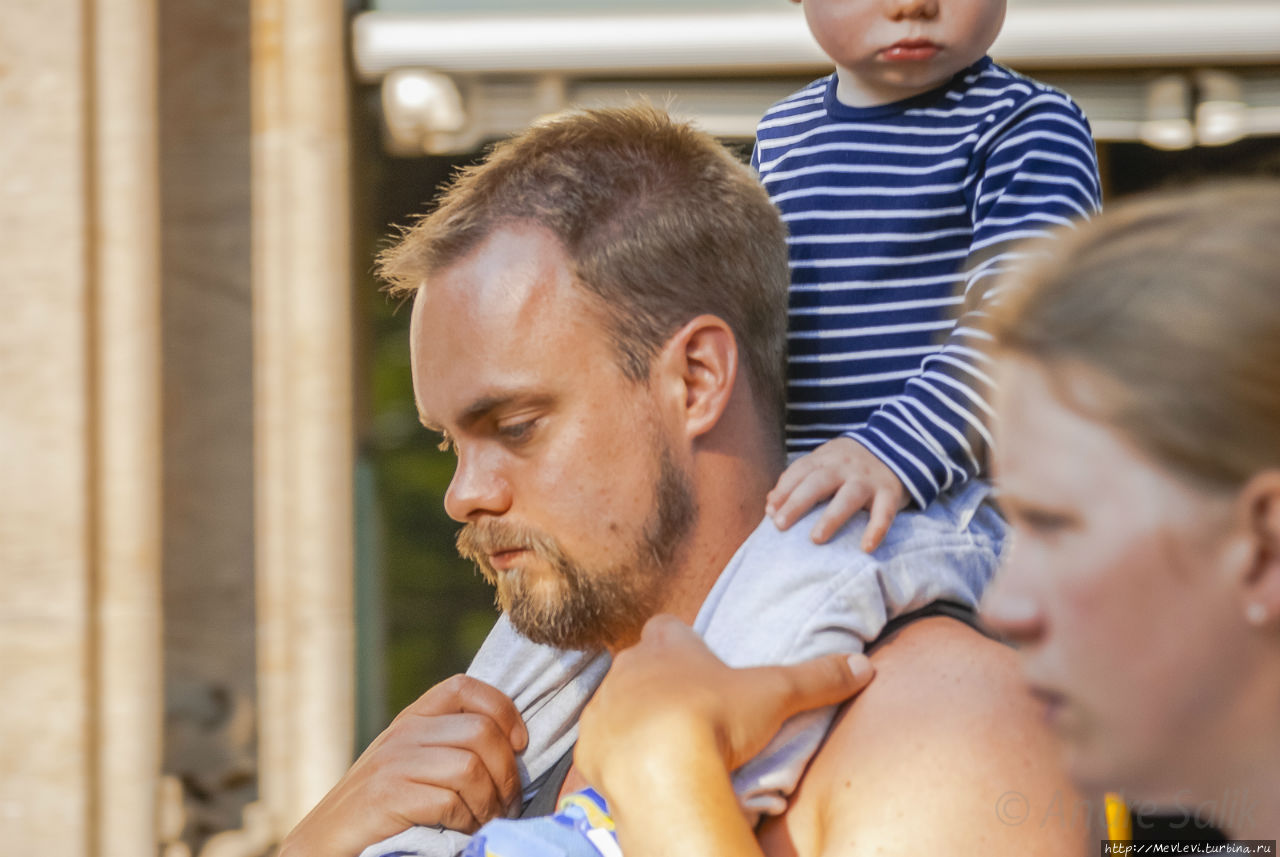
(1260,512)
(699,364)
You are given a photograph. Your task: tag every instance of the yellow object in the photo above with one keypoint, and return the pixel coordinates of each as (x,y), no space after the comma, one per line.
(596,816)
(1119,824)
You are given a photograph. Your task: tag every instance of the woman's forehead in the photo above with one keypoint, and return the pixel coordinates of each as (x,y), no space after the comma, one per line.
(1054,448)
(1044,441)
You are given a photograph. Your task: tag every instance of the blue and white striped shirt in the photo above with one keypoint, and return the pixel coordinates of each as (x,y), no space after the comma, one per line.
(891,210)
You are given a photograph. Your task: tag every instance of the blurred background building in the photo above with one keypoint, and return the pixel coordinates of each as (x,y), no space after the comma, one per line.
(223,559)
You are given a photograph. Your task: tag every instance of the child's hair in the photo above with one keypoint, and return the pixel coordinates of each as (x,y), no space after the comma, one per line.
(1175,299)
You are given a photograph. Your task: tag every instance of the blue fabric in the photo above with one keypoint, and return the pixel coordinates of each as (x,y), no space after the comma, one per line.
(901,217)
(581,827)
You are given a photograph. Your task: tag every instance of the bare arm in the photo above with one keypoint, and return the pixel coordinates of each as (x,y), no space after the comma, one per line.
(944,753)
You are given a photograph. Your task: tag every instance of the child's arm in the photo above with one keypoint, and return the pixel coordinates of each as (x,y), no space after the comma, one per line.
(1034,171)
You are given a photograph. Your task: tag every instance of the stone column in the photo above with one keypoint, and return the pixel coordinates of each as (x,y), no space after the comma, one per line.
(126,444)
(45,477)
(79,429)
(303,399)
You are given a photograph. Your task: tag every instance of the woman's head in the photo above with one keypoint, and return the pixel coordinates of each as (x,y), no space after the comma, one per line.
(1176,300)
(1139,462)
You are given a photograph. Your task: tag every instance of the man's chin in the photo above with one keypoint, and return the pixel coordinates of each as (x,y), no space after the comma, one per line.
(556,634)
(557,626)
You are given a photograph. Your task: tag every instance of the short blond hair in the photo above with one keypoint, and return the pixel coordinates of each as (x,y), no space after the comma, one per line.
(1175,298)
(660,223)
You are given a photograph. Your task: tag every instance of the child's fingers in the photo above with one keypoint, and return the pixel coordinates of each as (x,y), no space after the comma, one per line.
(791,477)
(851,497)
(884,508)
(817,486)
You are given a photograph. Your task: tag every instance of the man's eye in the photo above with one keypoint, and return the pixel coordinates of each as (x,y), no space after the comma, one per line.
(517,432)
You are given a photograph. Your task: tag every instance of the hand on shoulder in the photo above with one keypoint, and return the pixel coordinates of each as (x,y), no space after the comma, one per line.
(851,478)
(670,686)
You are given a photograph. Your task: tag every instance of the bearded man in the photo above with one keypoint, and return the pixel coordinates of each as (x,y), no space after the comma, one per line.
(599,334)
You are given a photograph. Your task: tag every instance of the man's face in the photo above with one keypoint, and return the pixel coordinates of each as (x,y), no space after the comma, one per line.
(573,498)
(889,50)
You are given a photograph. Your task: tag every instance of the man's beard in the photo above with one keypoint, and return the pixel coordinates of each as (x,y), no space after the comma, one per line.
(588,608)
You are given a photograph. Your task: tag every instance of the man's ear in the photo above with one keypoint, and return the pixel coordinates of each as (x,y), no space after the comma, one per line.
(1259,511)
(699,365)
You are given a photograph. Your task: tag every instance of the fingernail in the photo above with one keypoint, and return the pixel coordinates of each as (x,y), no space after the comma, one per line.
(860,667)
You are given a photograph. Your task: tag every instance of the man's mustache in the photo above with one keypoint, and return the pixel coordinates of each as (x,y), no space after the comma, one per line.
(477,541)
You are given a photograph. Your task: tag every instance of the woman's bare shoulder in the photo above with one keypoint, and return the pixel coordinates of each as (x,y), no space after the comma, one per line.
(945,750)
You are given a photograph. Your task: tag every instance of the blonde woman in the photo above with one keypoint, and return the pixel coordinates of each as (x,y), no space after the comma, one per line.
(1139,464)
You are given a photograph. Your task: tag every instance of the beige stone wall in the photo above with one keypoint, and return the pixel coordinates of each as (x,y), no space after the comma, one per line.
(79,511)
(127,161)
(45,475)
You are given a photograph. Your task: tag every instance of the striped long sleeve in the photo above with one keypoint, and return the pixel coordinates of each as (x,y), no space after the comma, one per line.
(900,218)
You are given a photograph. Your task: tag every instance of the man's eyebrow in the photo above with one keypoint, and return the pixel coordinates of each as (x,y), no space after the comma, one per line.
(485,405)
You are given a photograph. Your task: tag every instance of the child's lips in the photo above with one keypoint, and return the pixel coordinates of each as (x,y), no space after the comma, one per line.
(910,50)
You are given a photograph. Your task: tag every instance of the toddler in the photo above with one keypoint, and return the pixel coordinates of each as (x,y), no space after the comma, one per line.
(906,174)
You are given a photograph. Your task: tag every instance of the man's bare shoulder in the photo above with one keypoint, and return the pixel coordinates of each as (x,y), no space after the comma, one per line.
(944,752)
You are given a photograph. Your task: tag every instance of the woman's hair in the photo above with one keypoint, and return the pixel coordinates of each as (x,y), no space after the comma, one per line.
(1175,298)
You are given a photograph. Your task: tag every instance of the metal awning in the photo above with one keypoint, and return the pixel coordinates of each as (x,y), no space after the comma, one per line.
(452,80)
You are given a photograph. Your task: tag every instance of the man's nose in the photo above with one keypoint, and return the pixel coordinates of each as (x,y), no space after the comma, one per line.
(906,9)
(478,488)
(1010,609)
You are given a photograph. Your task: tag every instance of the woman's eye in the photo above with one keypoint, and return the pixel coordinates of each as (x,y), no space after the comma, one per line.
(1045,523)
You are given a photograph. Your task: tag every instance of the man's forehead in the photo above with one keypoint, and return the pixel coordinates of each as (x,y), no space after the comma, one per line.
(518,270)
(505,322)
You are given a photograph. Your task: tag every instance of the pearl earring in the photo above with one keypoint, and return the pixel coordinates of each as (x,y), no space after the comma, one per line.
(1256,613)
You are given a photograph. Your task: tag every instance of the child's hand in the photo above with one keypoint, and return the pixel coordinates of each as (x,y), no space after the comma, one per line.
(852,476)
